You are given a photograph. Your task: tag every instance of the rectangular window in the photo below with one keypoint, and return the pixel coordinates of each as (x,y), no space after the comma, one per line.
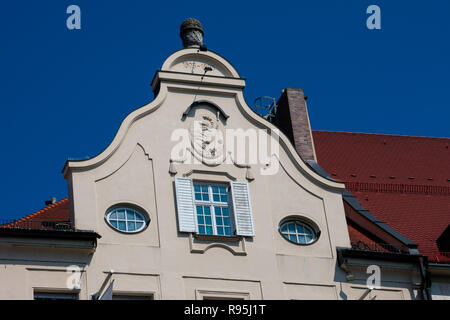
(213,210)
(132,297)
(55,296)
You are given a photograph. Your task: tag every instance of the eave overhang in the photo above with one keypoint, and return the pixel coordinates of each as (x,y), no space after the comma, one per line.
(439,269)
(79,239)
(348,258)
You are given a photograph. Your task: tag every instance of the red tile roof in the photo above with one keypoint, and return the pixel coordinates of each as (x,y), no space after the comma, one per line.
(402,180)
(56,212)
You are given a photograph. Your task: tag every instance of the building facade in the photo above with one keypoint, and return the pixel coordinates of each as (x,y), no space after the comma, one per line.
(199,197)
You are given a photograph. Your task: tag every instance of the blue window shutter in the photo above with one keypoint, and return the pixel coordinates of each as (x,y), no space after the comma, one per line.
(242,209)
(185,205)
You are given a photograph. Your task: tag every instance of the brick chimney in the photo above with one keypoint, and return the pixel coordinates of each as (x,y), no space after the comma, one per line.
(293,120)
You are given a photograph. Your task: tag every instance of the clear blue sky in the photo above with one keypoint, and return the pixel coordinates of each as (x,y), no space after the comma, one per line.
(64,93)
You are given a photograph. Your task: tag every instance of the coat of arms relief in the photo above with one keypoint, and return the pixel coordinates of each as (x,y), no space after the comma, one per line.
(207,139)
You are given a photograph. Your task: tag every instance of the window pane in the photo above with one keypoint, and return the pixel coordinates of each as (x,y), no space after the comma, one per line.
(225,212)
(113,215)
(219,221)
(114,224)
(226,222)
(55,296)
(298,232)
(205,189)
(223,190)
(217,211)
(216,197)
(208,220)
(220,231)
(205,197)
(209,230)
(131,226)
(201,230)
(200,220)
(224,198)
(139,225)
(122,226)
(215,189)
(302,239)
(121,214)
(130,215)
(207,211)
(199,210)
(228,231)
(198,196)
(291,228)
(196,188)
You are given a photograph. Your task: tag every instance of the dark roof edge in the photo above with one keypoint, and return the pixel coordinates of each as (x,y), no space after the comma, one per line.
(50,234)
(356,205)
(381,134)
(319,170)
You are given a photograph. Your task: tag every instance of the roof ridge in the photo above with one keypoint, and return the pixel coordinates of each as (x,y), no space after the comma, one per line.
(49,207)
(382,134)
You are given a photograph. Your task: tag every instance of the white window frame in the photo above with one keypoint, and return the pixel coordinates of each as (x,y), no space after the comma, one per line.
(314,233)
(135,211)
(211,203)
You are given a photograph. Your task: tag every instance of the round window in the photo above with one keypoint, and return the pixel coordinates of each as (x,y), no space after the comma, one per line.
(126,219)
(298,232)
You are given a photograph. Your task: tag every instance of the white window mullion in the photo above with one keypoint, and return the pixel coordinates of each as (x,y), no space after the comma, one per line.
(213,220)
(213,211)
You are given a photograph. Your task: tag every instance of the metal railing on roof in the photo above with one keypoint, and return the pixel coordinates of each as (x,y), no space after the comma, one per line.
(443,256)
(378,247)
(35,224)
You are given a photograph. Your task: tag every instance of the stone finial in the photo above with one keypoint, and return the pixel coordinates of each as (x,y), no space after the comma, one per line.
(191,32)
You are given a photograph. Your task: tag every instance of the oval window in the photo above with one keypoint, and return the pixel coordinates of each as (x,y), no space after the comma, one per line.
(298,232)
(126,220)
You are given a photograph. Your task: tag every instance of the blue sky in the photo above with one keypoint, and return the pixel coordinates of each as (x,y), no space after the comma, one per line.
(64,93)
